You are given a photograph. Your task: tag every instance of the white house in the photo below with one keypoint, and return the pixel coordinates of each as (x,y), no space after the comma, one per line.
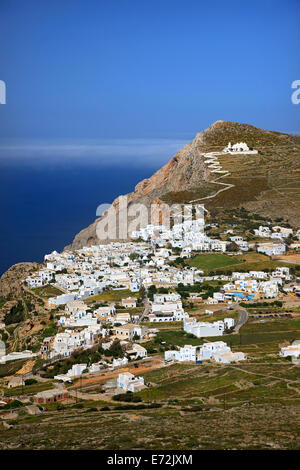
(272,248)
(129,302)
(137,351)
(118,362)
(16,355)
(292,350)
(190,353)
(130,383)
(203,329)
(263,231)
(228,322)
(129,331)
(187,353)
(228,357)
(76,370)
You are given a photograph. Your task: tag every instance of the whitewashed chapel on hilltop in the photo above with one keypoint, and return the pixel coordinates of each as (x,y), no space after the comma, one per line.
(240,147)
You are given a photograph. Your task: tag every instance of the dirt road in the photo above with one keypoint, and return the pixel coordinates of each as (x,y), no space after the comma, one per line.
(103,377)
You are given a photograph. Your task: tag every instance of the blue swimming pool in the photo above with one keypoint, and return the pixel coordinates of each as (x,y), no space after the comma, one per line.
(238,294)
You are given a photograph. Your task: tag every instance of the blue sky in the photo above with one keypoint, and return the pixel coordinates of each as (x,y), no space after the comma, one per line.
(163,69)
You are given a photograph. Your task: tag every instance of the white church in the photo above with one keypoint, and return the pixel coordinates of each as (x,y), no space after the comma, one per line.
(239,148)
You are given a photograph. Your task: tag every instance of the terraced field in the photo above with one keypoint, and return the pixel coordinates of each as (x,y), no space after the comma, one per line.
(267,183)
(250,405)
(112,295)
(266,426)
(47,291)
(213,261)
(245,262)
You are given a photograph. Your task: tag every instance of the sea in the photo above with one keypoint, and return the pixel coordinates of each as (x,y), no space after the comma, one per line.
(51,189)
(43,206)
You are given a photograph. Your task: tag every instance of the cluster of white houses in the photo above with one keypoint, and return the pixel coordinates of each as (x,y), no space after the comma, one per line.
(84,327)
(167,307)
(145,268)
(136,352)
(188,235)
(115,266)
(128,265)
(279,235)
(276,232)
(63,344)
(90,270)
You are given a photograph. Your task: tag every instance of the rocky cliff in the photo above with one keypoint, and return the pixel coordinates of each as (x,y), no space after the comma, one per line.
(267,183)
(10,281)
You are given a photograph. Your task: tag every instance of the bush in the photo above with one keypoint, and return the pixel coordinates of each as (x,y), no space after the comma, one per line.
(116,349)
(16,314)
(12,405)
(151,350)
(193,408)
(79,406)
(128,397)
(138,407)
(30,382)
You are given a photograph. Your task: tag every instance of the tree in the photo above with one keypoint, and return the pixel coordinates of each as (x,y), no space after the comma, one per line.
(16,314)
(134,256)
(30,382)
(151,291)
(142,292)
(163,290)
(116,349)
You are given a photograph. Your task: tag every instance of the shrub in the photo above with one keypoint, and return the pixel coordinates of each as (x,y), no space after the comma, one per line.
(16,314)
(30,382)
(128,397)
(12,405)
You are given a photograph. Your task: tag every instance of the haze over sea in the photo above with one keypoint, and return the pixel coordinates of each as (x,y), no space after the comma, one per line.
(50,191)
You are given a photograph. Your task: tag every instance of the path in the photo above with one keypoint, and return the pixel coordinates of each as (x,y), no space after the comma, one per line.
(146,310)
(90,396)
(215,167)
(243,317)
(144,366)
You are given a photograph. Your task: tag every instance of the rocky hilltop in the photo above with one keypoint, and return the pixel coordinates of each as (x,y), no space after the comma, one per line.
(10,281)
(267,183)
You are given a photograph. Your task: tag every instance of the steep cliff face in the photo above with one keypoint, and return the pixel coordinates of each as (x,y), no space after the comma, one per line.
(254,179)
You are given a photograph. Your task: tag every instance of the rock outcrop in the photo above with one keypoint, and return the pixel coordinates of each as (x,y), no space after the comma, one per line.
(10,281)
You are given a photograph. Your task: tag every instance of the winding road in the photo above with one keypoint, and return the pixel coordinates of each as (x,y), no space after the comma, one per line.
(215,167)
(243,317)
(146,311)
